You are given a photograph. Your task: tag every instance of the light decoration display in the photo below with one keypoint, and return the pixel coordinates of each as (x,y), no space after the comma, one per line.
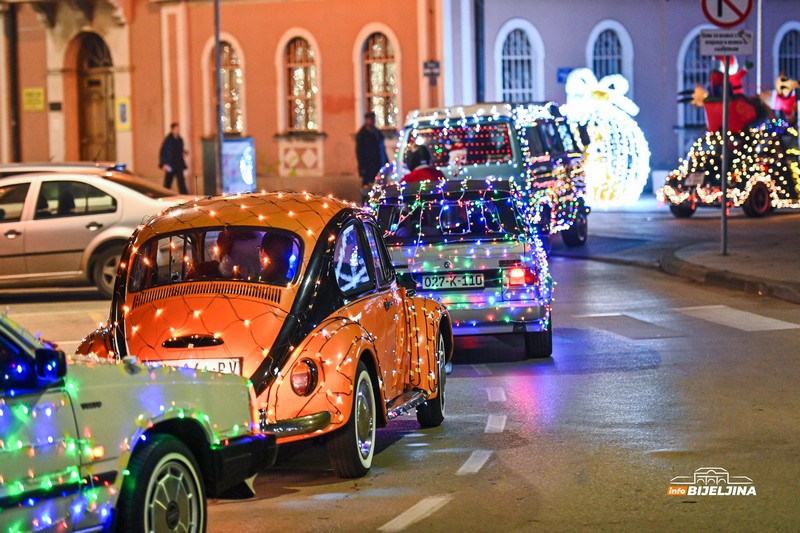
(618,156)
(470,230)
(765,154)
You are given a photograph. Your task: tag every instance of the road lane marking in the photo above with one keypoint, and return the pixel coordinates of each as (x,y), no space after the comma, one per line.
(495,424)
(734,318)
(475,462)
(628,326)
(496,394)
(482,370)
(414,514)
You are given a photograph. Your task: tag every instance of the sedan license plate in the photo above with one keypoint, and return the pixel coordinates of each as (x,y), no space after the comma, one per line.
(694,179)
(230,365)
(452,281)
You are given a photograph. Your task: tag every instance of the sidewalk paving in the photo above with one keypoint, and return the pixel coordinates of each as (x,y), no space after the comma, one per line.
(763,254)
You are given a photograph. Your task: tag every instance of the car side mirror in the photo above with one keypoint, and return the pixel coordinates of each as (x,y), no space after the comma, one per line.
(408,283)
(50,364)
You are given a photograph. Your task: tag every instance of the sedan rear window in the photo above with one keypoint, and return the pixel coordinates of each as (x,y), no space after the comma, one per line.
(464,143)
(435,219)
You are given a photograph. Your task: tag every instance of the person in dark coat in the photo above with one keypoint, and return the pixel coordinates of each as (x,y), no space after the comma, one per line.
(370,152)
(170,159)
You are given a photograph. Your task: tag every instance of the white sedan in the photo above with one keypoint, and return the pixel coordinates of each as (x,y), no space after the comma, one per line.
(59,227)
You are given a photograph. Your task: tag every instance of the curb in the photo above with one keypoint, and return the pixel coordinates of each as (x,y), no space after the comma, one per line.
(782,290)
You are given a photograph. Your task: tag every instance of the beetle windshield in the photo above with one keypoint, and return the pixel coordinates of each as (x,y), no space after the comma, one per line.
(259,255)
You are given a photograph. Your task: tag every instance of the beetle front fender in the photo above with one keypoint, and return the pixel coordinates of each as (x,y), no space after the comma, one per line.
(334,348)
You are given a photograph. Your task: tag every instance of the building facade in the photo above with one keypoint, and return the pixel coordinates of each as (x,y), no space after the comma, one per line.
(104,79)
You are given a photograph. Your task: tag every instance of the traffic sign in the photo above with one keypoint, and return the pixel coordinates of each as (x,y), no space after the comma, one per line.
(727,13)
(726,42)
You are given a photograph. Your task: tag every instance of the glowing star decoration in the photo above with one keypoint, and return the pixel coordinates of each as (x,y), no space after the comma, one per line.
(618,157)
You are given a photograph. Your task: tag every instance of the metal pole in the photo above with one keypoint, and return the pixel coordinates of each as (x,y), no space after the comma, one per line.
(218,79)
(723,178)
(760,25)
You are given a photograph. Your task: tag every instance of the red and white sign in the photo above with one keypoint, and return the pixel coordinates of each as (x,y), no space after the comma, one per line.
(727,13)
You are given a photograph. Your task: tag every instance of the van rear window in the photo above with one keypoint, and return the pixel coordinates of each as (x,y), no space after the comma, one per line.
(464,144)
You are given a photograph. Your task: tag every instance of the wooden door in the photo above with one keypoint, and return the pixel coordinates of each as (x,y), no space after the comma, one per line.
(96,100)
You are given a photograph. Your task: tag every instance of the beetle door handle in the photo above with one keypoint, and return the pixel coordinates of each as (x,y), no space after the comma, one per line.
(387,304)
(93,226)
(13,234)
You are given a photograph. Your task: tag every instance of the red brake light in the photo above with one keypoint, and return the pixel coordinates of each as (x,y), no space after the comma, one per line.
(519,276)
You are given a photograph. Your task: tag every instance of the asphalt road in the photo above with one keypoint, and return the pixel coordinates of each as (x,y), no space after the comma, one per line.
(652,378)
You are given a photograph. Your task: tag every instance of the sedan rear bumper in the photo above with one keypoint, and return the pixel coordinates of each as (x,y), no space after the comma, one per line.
(510,317)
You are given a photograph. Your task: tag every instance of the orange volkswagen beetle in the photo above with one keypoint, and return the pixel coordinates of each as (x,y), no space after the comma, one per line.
(298,293)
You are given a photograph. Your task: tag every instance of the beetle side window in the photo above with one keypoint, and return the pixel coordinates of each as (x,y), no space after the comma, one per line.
(380,256)
(350,262)
(12,198)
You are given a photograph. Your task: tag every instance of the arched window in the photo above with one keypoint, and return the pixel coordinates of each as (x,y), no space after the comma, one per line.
(695,69)
(607,54)
(380,80)
(517,68)
(232,82)
(301,86)
(789,54)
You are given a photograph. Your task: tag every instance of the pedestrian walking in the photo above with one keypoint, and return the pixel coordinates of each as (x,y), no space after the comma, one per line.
(370,152)
(171,159)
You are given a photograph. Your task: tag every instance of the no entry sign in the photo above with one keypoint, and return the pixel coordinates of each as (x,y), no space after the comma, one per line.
(727,13)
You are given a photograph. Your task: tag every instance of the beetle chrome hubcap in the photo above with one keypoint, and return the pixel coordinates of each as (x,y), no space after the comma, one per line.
(365,418)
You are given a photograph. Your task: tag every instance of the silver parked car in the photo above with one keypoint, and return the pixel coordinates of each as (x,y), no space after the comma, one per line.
(63,226)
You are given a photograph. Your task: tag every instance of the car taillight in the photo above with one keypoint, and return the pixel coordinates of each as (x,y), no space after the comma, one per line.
(518,276)
(304,377)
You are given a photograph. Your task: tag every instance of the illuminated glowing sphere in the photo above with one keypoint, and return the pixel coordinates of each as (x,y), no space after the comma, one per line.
(617,158)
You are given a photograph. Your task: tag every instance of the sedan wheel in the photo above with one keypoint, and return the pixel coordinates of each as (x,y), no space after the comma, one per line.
(164,490)
(105,269)
(352,447)
(758,202)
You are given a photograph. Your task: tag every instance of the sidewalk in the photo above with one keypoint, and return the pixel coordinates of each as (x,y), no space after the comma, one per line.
(763,254)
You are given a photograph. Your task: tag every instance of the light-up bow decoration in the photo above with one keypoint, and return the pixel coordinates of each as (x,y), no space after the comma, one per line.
(618,156)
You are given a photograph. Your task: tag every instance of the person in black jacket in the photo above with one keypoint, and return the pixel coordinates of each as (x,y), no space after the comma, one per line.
(170,159)
(370,152)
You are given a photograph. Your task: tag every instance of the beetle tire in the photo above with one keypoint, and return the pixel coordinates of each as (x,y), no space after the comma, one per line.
(352,447)
(430,414)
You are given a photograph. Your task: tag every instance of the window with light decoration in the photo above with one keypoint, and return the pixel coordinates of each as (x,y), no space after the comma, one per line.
(695,69)
(474,216)
(301,86)
(517,68)
(380,80)
(218,254)
(232,82)
(789,54)
(464,143)
(607,54)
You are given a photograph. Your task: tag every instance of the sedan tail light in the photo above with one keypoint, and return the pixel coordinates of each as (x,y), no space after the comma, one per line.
(519,277)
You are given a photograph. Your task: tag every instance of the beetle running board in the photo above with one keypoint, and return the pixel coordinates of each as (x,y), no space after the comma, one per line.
(403,404)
